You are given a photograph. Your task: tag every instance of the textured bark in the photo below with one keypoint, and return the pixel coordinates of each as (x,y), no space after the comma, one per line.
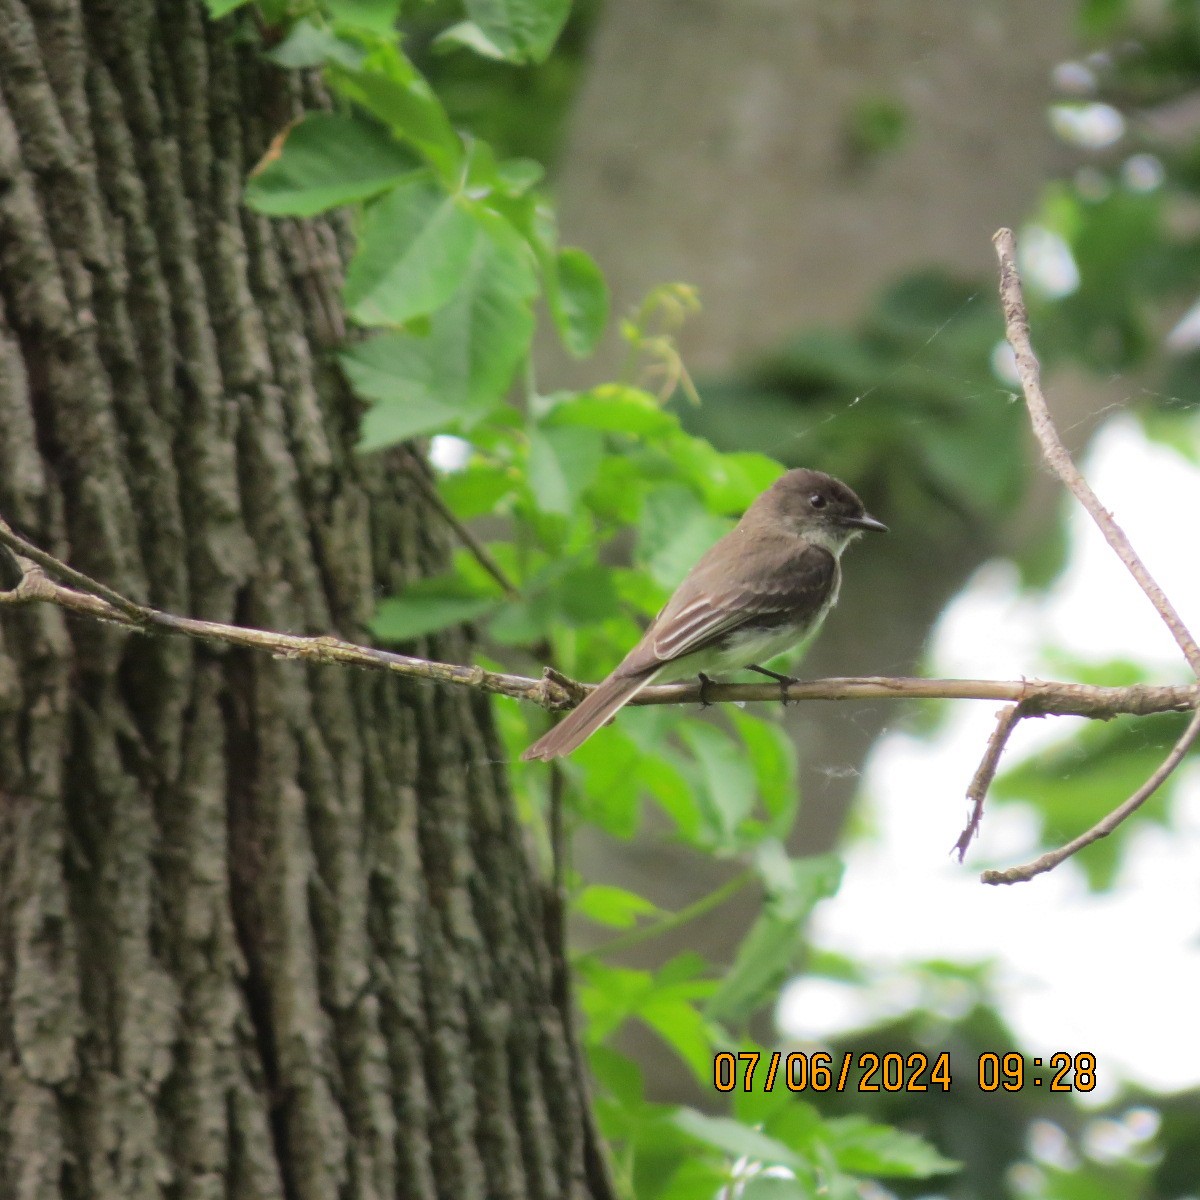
(266,929)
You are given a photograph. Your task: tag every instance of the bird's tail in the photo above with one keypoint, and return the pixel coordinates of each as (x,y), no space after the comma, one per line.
(597,707)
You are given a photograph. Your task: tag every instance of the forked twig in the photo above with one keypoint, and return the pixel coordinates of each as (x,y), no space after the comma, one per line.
(554,691)
(28,556)
(1102,828)
(1016,322)
(464,533)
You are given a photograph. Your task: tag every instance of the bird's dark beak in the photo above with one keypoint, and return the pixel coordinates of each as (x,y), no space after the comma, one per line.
(866,521)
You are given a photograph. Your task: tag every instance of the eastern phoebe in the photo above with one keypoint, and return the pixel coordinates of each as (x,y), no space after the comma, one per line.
(764,587)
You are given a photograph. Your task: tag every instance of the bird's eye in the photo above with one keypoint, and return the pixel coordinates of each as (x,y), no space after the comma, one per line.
(817,500)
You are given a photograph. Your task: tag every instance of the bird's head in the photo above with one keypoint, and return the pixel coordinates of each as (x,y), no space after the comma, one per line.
(817,507)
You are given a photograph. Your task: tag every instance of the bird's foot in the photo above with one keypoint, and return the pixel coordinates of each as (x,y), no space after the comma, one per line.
(782,680)
(705,702)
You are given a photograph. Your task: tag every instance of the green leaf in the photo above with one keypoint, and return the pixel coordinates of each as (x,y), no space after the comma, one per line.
(796,885)
(585,594)
(398,372)
(610,995)
(612,408)
(617,1074)
(375,16)
(613,906)
(578,299)
(562,463)
(326,160)
(678,1023)
(220,8)
(413,249)
(611,793)
(428,606)
(764,960)
(525,621)
(276,12)
(773,757)
(1099,20)
(774,1187)
(876,125)
(522,30)
(676,529)
(515,176)
(310,45)
(468,35)
(725,777)
(459,371)
(735,1139)
(868,1149)
(974,451)
(693,1179)
(477,489)
(729,483)
(618,496)
(393,90)
(770,951)
(670,789)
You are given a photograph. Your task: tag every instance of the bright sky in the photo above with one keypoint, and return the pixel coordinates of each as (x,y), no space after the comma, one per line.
(1119,974)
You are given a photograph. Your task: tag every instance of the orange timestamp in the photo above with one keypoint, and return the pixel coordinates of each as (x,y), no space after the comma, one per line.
(820,1071)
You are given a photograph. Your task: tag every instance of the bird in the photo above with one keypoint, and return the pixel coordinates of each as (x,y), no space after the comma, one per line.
(762,589)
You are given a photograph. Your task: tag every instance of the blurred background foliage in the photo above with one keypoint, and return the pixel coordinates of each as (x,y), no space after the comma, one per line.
(594,500)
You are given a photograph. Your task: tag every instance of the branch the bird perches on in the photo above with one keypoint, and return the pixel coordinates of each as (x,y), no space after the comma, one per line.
(46,579)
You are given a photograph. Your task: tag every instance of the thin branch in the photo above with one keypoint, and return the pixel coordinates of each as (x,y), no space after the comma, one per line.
(559,844)
(555,691)
(706,903)
(1006,721)
(1102,828)
(1016,321)
(1040,697)
(26,553)
(479,551)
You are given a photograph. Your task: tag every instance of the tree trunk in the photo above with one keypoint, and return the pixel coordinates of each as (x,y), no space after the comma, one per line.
(266,929)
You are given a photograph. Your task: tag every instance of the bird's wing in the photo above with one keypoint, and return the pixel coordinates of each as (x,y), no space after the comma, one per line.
(705,610)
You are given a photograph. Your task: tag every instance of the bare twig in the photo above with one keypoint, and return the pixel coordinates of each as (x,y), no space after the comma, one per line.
(91,598)
(481,554)
(1016,321)
(27,553)
(555,691)
(1006,721)
(1040,697)
(1050,860)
